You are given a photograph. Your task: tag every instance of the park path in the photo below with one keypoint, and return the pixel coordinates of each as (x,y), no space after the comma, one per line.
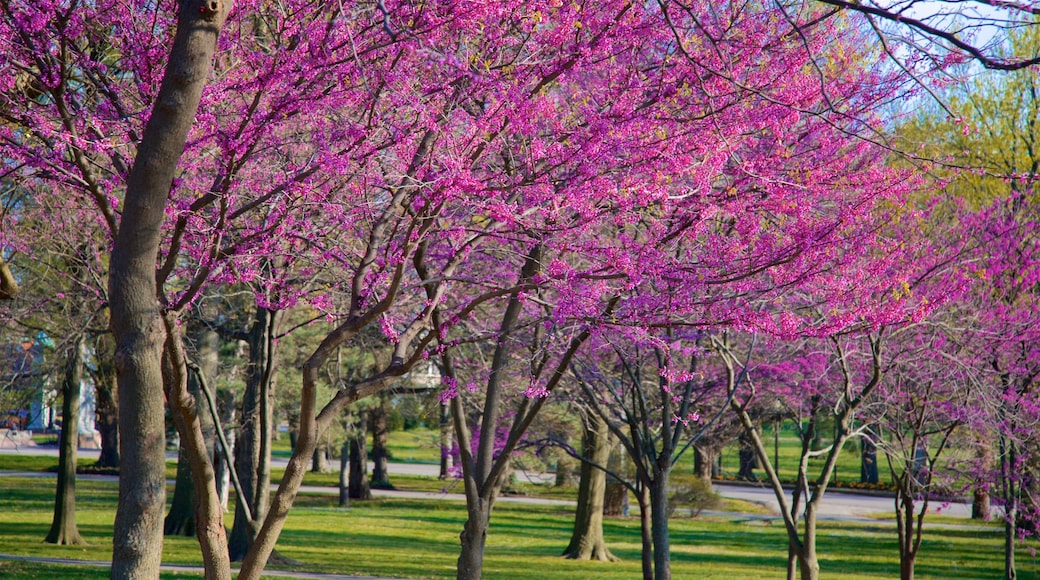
(836,505)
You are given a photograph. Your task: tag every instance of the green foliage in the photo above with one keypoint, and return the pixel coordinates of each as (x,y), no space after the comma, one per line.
(691,495)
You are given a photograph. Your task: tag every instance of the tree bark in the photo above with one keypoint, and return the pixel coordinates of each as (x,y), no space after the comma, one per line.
(358,486)
(446,431)
(107,412)
(474,538)
(646,534)
(320,459)
(180,521)
(704,458)
(379,425)
(136,321)
(8,283)
(63,527)
(344,471)
(868,470)
(253,445)
(587,541)
(659,525)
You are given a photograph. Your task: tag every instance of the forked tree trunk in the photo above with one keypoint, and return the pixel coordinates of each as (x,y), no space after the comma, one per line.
(587,541)
(136,320)
(63,526)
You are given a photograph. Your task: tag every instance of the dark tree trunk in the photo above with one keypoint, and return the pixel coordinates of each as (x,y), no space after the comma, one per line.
(136,321)
(180,521)
(107,416)
(63,526)
(659,526)
(646,534)
(253,445)
(587,541)
(868,465)
(747,459)
(359,487)
(981,508)
(379,425)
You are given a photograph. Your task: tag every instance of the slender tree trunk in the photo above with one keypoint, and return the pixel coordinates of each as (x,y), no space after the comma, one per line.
(344,471)
(868,465)
(379,425)
(136,322)
(63,526)
(253,445)
(220,454)
(587,541)
(209,517)
(180,521)
(446,431)
(647,534)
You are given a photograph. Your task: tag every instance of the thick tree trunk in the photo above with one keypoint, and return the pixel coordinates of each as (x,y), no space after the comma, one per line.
(474,537)
(180,521)
(253,445)
(981,508)
(587,541)
(107,413)
(136,321)
(704,458)
(63,526)
(379,425)
(358,486)
(320,459)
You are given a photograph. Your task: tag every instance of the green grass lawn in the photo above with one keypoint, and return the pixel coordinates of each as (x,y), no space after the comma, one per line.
(419,539)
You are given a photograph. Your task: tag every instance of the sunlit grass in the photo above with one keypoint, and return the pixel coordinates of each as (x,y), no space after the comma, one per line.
(419,539)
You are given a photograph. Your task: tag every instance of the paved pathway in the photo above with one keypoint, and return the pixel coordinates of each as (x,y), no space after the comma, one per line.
(836,505)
